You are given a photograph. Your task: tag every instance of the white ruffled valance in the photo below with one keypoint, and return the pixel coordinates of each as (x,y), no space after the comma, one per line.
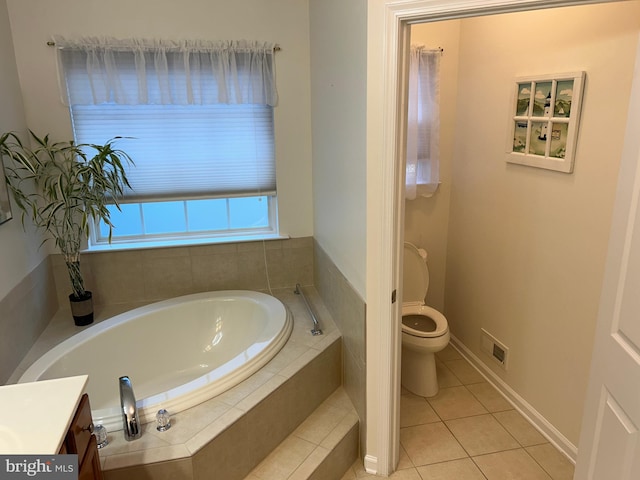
(95,71)
(423,123)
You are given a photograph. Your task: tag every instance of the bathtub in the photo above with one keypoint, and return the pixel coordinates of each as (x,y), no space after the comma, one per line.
(177,353)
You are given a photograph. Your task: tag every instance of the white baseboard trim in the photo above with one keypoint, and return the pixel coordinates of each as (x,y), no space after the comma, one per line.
(542,424)
(371,464)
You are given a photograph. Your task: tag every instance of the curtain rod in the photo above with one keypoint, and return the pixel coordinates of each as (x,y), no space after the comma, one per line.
(422,47)
(51,43)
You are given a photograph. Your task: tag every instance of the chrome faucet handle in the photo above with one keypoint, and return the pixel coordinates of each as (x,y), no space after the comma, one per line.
(164,420)
(101,436)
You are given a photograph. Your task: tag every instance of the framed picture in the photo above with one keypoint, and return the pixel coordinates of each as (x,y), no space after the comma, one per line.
(5,206)
(543,121)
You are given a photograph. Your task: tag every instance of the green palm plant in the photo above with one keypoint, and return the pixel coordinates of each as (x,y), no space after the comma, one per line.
(63,187)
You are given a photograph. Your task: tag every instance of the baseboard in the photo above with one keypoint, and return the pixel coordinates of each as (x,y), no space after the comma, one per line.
(371,464)
(542,424)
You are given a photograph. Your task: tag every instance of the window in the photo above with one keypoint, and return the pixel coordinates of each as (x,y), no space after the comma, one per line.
(198,122)
(423,123)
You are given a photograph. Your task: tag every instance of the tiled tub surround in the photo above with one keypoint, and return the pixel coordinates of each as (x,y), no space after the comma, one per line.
(231,433)
(348,310)
(24,314)
(148,275)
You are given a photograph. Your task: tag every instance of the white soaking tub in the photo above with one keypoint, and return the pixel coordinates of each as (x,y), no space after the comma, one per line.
(177,353)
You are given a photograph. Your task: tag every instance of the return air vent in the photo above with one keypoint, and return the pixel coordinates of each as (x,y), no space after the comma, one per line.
(495,349)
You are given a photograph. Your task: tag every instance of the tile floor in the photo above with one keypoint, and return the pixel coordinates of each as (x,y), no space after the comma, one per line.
(468,432)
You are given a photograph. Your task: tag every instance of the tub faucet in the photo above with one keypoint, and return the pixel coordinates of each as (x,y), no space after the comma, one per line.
(130,419)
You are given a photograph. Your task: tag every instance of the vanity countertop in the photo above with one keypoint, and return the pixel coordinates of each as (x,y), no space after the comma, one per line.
(35,416)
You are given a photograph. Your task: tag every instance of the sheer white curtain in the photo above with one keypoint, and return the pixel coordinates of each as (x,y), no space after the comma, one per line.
(160,72)
(423,125)
(195,116)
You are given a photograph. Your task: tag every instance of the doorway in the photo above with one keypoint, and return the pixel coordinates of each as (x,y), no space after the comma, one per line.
(394,20)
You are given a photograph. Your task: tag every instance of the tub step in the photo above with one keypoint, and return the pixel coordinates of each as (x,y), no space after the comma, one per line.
(324,446)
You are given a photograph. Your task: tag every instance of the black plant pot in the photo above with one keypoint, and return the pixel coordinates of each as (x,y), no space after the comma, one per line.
(82,309)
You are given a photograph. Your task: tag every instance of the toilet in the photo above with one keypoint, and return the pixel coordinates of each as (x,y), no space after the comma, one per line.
(424,329)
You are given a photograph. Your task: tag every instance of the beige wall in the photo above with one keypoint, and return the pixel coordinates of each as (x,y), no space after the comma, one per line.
(283,21)
(526,247)
(427,219)
(338,96)
(20,251)
(27,298)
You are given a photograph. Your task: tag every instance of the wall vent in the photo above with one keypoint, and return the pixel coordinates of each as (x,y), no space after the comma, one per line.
(494,348)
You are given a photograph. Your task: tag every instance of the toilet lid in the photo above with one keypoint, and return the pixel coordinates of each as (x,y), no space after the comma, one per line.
(415,276)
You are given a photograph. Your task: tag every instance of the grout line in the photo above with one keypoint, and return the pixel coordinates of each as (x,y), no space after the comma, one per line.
(488,412)
(479,469)
(539,464)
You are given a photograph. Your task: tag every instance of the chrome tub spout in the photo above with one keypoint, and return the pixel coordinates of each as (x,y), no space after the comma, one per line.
(130,420)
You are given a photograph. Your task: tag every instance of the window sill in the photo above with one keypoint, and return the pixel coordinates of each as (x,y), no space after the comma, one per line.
(181,242)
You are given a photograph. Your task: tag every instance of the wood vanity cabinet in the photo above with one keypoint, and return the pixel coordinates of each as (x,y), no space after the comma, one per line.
(80,440)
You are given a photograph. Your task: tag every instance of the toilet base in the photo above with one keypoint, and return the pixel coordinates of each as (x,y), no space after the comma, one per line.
(418,372)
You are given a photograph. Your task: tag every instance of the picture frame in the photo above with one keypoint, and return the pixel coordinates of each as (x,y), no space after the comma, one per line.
(5,204)
(544,120)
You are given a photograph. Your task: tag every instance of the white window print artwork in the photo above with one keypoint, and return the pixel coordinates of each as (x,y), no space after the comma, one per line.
(544,119)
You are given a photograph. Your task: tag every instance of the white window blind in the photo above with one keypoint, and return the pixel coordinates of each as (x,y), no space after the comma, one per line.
(187,151)
(197,116)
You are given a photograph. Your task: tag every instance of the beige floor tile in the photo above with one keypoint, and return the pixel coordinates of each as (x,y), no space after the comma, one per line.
(446,378)
(340,399)
(456,402)
(358,469)
(554,462)
(481,434)
(284,460)
(415,410)
(430,443)
(406,474)
(489,397)
(310,464)
(463,469)
(510,465)
(520,428)
(448,353)
(320,423)
(464,371)
(404,461)
(349,475)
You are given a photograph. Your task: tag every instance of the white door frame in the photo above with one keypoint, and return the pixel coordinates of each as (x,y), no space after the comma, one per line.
(387,25)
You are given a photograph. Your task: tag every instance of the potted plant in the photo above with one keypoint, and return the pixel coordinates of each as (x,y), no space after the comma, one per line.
(62,187)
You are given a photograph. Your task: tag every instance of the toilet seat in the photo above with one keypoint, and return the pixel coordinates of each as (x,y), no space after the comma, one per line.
(435,326)
(418,319)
